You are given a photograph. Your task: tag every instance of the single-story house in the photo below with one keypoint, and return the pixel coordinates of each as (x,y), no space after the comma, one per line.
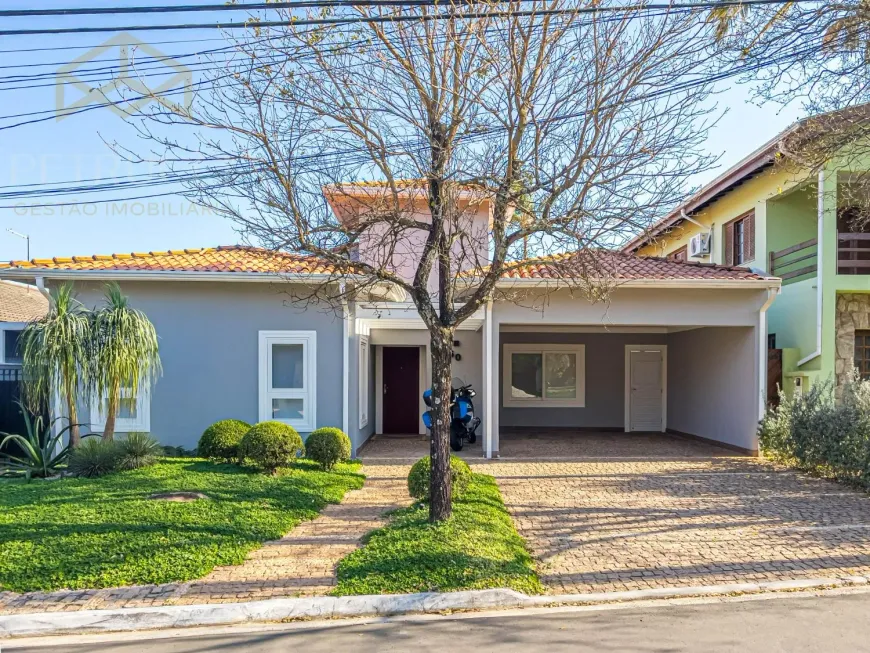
(678,346)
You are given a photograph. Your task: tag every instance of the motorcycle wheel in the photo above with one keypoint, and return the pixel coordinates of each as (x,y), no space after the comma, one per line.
(472,438)
(455,440)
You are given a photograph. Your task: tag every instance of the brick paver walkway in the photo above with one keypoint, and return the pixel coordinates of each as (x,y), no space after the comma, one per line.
(688,514)
(300,564)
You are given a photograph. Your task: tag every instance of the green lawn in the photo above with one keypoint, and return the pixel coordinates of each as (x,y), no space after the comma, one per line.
(82,533)
(477,548)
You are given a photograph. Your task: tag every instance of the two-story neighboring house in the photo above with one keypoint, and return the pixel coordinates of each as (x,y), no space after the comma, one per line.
(678,346)
(799,226)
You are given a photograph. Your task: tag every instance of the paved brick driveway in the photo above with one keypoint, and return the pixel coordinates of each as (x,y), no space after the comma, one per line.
(613,511)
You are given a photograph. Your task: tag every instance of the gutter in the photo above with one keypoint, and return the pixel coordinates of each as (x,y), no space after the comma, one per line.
(40,284)
(819,276)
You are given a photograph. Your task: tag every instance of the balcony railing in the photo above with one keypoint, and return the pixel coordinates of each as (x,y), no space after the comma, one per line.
(853,253)
(784,263)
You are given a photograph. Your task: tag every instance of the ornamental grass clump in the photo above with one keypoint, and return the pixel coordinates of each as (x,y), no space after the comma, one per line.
(137,450)
(328,446)
(221,440)
(270,445)
(418,477)
(94,457)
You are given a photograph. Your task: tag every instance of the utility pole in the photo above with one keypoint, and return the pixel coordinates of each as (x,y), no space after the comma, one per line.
(25,237)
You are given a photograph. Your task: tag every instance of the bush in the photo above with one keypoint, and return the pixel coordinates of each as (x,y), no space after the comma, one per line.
(94,457)
(818,432)
(137,450)
(418,477)
(270,445)
(221,440)
(328,446)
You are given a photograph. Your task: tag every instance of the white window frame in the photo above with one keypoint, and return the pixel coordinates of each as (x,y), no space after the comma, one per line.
(308,391)
(140,424)
(509,401)
(364,379)
(8,326)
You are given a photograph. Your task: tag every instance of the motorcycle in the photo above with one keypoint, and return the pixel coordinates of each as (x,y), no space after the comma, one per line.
(463,422)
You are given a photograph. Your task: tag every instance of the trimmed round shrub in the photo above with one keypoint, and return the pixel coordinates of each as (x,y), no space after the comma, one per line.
(220,441)
(418,477)
(328,446)
(137,450)
(270,445)
(93,457)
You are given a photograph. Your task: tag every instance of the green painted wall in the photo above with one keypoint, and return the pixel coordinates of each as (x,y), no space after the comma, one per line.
(791,219)
(792,316)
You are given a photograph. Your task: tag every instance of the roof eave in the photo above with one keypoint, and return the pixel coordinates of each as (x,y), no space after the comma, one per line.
(767,282)
(164,275)
(746,167)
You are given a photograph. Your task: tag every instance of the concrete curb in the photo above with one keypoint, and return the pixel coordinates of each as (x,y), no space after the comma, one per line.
(326,607)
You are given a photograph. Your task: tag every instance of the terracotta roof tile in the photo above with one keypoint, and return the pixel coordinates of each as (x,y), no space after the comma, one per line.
(21,303)
(234,258)
(625,267)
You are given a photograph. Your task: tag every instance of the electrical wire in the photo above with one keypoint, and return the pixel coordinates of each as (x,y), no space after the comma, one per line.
(451,15)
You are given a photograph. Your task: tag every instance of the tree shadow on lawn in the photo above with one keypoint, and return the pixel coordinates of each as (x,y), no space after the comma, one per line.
(218,481)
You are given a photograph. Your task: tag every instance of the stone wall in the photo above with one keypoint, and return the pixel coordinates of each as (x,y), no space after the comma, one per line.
(853,312)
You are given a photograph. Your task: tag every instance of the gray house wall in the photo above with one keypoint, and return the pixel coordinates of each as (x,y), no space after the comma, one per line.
(209,346)
(605,380)
(712,384)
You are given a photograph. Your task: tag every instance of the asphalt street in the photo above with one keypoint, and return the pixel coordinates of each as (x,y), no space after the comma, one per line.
(817,623)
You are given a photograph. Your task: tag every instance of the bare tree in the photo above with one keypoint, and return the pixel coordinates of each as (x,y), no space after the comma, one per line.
(816,54)
(567,129)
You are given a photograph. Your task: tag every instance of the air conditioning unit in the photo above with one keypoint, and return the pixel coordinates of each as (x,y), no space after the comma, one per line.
(700,244)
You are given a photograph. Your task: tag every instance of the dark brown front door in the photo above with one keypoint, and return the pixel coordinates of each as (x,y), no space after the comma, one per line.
(401,405)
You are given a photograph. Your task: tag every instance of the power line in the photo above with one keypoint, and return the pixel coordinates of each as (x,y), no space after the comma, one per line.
(62,48)
(346,155)
(162,9)
(451,15)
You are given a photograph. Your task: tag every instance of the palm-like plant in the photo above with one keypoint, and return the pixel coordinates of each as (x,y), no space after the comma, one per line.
(55,352)
(124,354)
(42,453)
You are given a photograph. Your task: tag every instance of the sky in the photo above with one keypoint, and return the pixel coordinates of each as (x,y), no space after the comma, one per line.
(74,148)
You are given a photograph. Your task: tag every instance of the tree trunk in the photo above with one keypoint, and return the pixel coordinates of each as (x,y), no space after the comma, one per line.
(440,482)
(75,437)
(113,401)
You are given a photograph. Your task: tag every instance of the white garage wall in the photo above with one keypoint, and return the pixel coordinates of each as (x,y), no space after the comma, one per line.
(712,382)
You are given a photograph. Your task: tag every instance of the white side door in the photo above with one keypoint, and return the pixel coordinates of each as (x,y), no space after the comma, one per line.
(646,391)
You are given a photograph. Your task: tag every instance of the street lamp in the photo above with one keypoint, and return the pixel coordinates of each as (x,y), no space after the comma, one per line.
(25,237)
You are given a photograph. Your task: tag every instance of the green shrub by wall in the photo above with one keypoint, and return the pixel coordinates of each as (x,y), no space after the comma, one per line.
(328,446)
(270,445)
(820,432)
(220,441)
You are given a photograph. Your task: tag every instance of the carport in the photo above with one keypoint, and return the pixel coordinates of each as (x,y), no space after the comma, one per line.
(686,356)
